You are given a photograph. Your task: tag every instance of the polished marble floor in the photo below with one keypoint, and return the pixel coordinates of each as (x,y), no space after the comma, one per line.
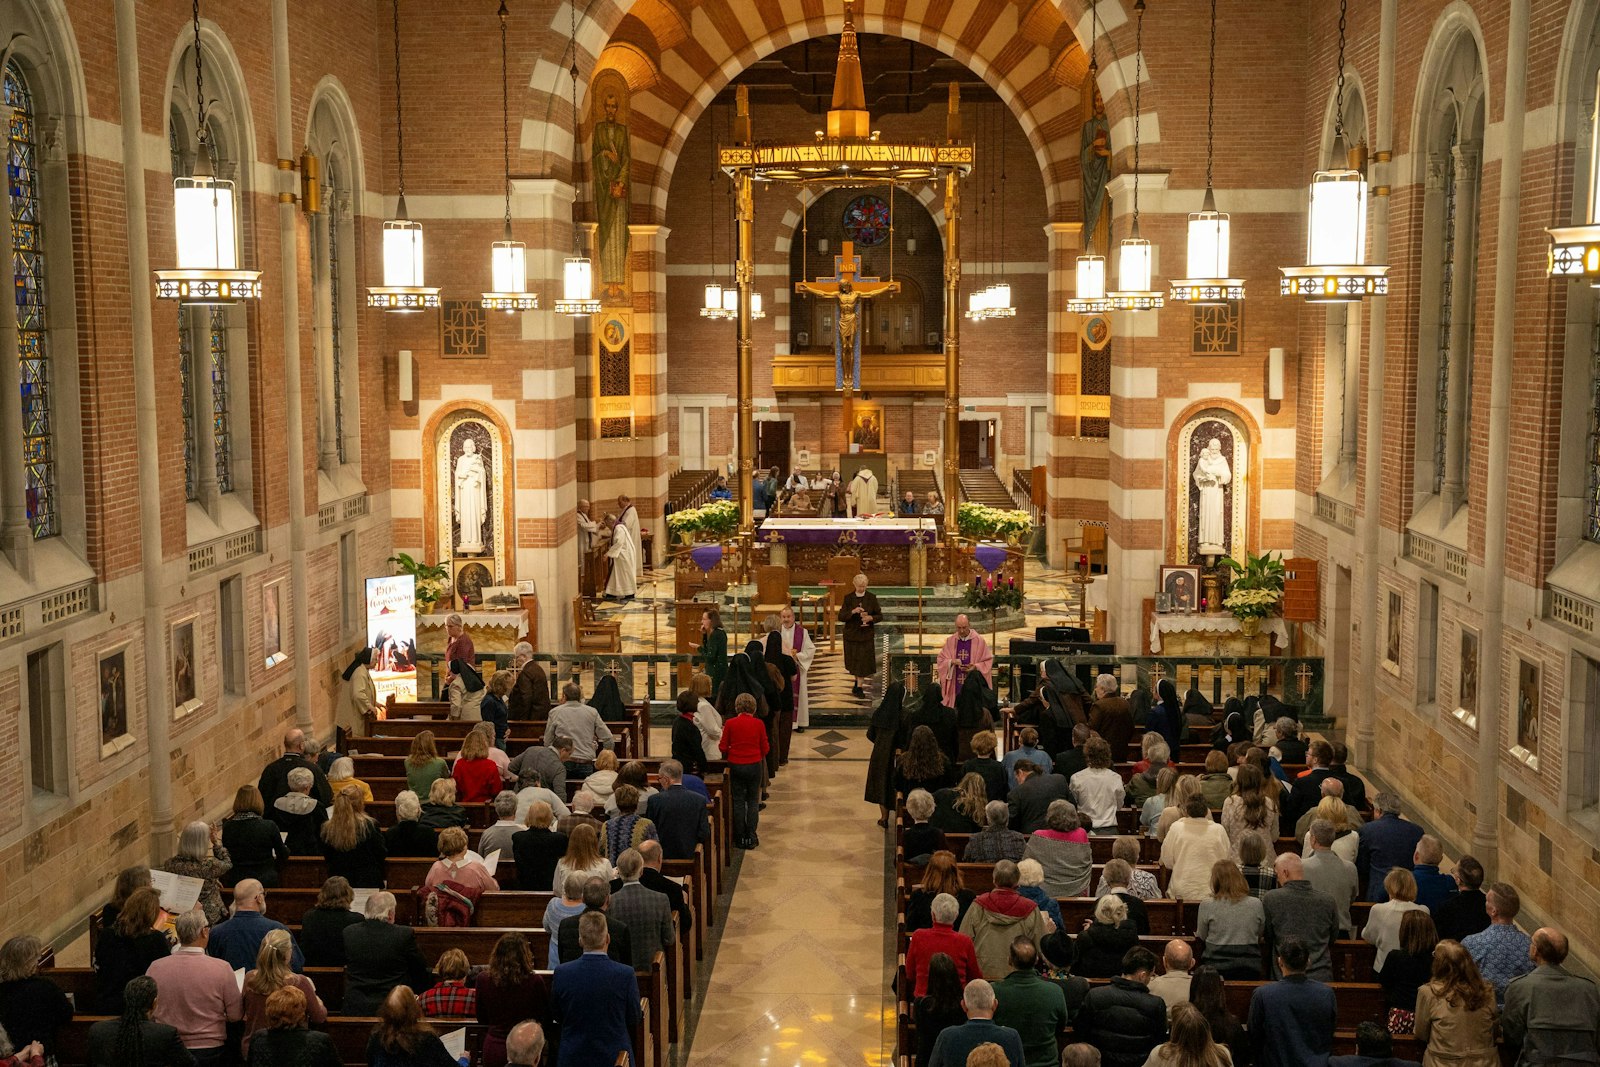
(800,974)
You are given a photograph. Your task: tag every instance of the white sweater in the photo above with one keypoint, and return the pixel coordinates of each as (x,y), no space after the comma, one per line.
(1189,850)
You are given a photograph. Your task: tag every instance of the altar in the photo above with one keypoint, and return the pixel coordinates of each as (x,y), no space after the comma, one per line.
(892,551)
(491,631)
(1214,635)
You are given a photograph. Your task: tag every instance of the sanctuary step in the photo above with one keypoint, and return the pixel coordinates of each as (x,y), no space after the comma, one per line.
(983,486)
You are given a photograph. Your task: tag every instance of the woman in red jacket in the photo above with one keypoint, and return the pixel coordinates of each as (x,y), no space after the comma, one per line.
(744,744)
(477,776)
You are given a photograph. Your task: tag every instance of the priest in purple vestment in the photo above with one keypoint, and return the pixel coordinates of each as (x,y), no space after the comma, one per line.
(963,651)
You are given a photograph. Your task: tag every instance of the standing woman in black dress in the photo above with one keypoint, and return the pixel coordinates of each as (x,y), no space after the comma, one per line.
(860,614)
(887,732)
(786,666)
(772,691)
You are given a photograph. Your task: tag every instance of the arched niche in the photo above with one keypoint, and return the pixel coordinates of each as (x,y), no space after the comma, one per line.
(1240,439)
(444,442)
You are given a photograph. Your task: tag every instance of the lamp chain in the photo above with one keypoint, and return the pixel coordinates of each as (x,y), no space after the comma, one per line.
(1338,92)
(1211,96)
(505,112)
(1138,87)
(577,144)
(399,111)
(199,84)
(1002,117)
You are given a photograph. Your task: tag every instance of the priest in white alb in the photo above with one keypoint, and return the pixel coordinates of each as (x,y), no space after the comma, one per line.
(624,557)
(963,651)
(863,493)
(801,648)
(628,516)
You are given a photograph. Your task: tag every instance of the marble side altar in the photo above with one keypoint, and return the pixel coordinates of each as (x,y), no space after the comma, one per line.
(491,631)
(1214,635)
(892,551)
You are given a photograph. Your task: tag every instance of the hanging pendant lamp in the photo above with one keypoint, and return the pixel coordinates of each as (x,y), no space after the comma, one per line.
(1089,292)
(403,289)
(1135,289)
(713,306)
(1575,250)
(205,216)
(577,273)
(1336,270)
(508,258)
(1208,282)
(1000,292)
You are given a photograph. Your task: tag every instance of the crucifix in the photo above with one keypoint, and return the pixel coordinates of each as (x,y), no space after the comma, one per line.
(848,288)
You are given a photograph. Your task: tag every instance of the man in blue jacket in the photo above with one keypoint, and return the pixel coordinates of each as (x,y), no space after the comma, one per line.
(1292,1019)
(955,1043)
(595,1001)
(1386,842)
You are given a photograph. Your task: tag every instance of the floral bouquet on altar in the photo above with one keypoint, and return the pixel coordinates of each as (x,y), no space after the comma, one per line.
(432,580)
(991,592)
(1257,586)
(719,519)
(979,522)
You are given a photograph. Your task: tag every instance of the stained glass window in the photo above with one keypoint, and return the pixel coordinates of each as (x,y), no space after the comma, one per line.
(191,472)
(1591,493)
(33,341)
(221,420)
(1447,283)
(335,338)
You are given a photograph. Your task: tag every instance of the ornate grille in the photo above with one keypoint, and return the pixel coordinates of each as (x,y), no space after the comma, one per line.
(464,329)
(1591,495)
(1447,283)
(1218,329)
(616,372)
(619,427)
(191,460)
(335,337)
(33,352)
(221,420)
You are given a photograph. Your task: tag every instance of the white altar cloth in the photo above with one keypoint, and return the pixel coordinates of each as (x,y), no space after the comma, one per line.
(1218,624)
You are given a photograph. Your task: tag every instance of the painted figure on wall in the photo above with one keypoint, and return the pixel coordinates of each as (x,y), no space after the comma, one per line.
(612,159)
(1094,163)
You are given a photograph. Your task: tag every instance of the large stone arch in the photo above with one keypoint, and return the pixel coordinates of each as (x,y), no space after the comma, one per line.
(1032,54)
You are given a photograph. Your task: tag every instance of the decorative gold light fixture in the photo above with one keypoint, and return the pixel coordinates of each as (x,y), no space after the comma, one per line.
(1575,250)
(508,258)
(1336,270)
(577,273)
(1208,281)
(205,217)
(403,289)
(1136,257)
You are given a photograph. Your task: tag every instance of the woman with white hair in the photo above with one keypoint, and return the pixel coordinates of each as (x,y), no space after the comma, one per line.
(920,840)
(201,855)
(440,809)
(860,613)
(1061,847)
(342,774)
(408,837)
(1099,949)
(1030,884)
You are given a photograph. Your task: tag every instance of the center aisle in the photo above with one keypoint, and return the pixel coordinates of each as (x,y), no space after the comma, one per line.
(800,976)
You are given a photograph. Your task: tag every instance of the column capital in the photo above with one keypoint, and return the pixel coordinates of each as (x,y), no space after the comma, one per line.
(1064,236)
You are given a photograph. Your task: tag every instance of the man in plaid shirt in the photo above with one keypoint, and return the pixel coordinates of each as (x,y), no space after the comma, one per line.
(452,996)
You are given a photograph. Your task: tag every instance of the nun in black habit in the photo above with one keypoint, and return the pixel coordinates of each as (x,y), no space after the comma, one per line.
(887,732)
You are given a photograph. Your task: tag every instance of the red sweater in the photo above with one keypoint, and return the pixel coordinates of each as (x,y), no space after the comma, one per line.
(941,938)
(744,739)
(477,780)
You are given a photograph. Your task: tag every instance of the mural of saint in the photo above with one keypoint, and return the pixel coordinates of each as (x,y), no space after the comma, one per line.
(613,197)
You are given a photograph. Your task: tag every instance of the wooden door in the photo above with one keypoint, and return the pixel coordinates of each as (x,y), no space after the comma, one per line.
(772,447)
(977,444)
(969,444)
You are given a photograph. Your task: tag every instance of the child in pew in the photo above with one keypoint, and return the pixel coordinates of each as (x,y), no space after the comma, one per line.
(450,995)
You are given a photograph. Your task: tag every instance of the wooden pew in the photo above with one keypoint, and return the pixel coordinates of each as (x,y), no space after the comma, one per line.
(408,719)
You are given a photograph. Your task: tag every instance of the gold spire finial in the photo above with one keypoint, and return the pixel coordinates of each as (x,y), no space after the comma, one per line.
(848,116)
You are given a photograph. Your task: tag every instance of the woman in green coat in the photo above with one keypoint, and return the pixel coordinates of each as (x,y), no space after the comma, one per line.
(713,654)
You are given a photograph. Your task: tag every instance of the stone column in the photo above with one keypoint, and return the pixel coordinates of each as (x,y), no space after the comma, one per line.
(322,301)
(649,270)
(545,433)
(158,709)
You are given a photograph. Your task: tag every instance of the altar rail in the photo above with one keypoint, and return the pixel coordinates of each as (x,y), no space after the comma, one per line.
(1295,680)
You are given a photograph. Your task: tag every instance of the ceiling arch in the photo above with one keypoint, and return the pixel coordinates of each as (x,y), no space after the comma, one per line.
(678,54)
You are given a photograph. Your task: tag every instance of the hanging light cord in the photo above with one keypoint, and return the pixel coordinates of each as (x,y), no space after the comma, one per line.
(199,84)
(505,113)
(1002,118)
(577,144)
(1211,95)
(1138,88)
(399,111)
(711,183)
(1094,83)
(1338,91)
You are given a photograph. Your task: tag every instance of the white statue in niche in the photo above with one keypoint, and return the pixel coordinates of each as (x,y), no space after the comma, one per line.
(471,499)
(1211,473)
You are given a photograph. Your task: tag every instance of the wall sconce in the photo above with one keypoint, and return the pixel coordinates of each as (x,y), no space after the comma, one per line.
(1275,374)
(405,369)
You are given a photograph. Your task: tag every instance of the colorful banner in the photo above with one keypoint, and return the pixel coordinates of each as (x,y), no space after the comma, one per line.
(392,633)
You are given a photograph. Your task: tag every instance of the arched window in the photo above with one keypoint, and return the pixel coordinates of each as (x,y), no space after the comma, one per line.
(33,306)
(334,292)
(1451,136)
(213,340)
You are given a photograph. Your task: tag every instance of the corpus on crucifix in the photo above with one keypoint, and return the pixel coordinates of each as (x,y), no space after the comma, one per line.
(848,288)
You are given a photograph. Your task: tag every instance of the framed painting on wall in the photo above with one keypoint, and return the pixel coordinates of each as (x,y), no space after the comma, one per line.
(1526,739)
(112,678)
(185,690)
(1391,641)
(1182,588)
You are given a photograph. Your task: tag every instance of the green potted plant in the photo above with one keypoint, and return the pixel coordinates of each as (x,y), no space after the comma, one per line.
(1255,591)
(433,580)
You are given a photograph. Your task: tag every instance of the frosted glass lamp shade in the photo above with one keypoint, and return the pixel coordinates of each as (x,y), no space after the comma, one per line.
(509,267)
(1134,265)
(713,303)
(577,288)
(402,254)
(204,215)
(1091,278)
(1208,245)
(756,309)
(1337,227)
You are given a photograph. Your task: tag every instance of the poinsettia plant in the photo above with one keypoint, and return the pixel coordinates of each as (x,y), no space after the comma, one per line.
(1257,586)
(720,518)
(979,521)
